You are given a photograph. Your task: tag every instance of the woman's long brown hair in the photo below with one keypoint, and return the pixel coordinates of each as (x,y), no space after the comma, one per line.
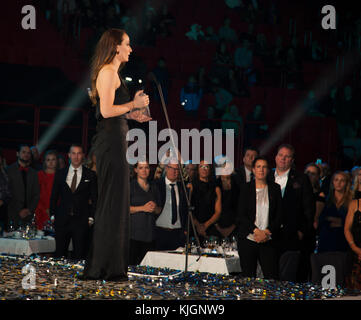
(105,52)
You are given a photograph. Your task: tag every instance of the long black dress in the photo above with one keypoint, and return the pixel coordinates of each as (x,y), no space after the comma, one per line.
(109,252)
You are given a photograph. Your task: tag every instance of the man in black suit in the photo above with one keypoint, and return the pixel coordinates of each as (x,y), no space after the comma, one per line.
(72,203)
(244,173)
(172,221)
(24,188)
(298,208)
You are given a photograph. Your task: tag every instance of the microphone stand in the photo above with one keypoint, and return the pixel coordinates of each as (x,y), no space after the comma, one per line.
(188,197)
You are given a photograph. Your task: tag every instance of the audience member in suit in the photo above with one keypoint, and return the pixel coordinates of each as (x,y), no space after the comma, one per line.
(206,200)
(144,199)
(259,222)
(244,173)
(5,195)
(171,225)
(298,208)
(24,187)
(72,203)
(35,159)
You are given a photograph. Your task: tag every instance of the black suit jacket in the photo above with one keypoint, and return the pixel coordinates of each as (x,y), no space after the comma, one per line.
(247,209)
(17,189)
(298,205)
(183,207)
(63,201)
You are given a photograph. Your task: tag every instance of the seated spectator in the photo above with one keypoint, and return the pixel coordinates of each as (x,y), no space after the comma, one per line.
(164,22)
(24,188)
(256,126)
(144,210)
(223,98)
(292,69)
(210,124)
(232,114)
(162,75)
(196,33)
(226,32)
(46,180)
(210,35)
(206,200)
(243,55)
(332,217)
(190,97)
(278,53)
(329,104)
(261,48)
(5,194)
(312,105)
(347,114)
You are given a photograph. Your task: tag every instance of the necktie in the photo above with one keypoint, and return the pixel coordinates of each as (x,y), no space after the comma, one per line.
(174,204)
(73,182)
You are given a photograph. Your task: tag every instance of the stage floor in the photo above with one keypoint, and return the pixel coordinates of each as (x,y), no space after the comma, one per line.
(58,280)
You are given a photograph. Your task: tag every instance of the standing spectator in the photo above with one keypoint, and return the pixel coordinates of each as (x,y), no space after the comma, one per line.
(73,201)
(5,194)
(171,224)
(332,218)
(143,211)
(24,188)
(162,75)
(256,126)
(46,180)
(245,174)
(353,237)
(259,221)
(190,97)
(61,162)
(206,200)
(226,32)
(298,208)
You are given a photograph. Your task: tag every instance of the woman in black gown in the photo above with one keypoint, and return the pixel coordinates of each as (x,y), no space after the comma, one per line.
(109,252)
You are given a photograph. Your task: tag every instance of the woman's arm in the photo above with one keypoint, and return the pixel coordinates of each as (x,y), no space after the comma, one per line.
(217,210)
(107,83)
(348,225)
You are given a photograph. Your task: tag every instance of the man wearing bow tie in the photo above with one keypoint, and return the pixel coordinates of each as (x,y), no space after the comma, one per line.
(24,187)
(72,203)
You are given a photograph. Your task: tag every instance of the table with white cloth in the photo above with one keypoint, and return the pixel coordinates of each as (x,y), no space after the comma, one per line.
(27,247)
(176,260)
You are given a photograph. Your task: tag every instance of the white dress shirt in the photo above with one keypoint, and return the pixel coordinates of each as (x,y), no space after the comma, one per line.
(69,177)
(282,180)
(248,174)
(262,210)
(165,218)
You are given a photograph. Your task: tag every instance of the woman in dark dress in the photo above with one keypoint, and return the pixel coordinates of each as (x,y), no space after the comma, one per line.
(207,201)
(143,212)
(109,252)
(353,237)
(332,218)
